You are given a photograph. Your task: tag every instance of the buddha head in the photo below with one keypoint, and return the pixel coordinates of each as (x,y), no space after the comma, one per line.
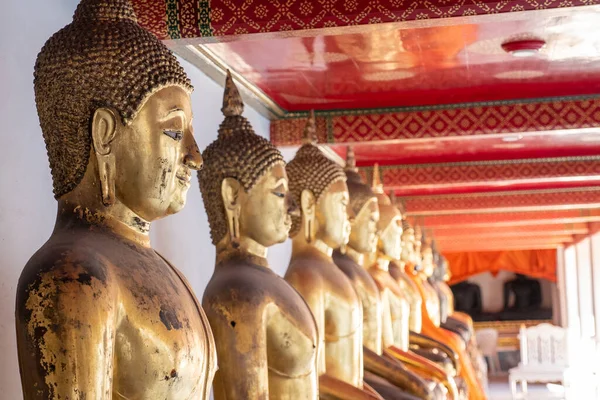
(447,274)
(408,241)
(318,185)
(427,256)
(115,112)
(390,220)
(363,204)
(244,184)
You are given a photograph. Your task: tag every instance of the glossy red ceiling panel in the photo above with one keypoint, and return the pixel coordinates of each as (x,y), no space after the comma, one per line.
(390,66)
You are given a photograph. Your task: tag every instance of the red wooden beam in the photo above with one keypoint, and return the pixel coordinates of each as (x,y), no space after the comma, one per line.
(510,231)
(509,219)
(482,176)
(581,198)
(354,126)
(189,19)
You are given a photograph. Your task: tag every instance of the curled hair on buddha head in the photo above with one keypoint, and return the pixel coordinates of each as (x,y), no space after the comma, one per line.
(101,59)
(238,153)
(360,192)
(311,170)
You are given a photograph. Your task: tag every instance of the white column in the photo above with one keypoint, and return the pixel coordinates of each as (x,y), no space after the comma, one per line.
(559,298)
(572,300)
(595,248)
(584,278)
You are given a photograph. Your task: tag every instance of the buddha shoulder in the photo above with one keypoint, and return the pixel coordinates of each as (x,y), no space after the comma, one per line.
(69,280)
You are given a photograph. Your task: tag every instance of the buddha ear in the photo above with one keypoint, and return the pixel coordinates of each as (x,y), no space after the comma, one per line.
(230,193)
(308,205)
(104,128)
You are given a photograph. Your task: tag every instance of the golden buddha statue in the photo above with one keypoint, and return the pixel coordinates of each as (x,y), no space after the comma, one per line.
(100,314)
(454,323)
(318,184)
(266,337)
(378,316)
(421,344)
(431,318)
(388,248)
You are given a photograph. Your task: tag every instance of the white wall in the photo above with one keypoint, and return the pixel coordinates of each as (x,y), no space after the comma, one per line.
(27,207)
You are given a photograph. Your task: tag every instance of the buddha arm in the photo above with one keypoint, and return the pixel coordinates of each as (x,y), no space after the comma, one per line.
(334,389)
(426,342)
(425,367)
(396,374)
(67,353)
(240,337)
(507,290)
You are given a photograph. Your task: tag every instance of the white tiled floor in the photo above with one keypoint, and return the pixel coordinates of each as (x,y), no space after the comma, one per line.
(500,390)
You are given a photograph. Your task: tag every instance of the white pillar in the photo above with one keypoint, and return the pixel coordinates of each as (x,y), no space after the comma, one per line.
(559,301)
(595,248)
(570,291)
(584,281)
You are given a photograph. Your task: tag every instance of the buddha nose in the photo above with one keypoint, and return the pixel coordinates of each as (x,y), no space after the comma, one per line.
(193,158)
(292,207)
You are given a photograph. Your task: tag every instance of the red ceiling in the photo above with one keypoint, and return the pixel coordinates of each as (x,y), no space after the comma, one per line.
(387,58)
(475,148)
(388,66)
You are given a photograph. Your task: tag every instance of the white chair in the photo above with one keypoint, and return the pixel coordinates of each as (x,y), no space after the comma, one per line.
(549,354)
(487,341)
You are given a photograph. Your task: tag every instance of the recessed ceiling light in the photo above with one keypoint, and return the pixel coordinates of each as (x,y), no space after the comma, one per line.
(509,146)
(512,138)
(519,74)
(393,75)
(523,47)
(421,147)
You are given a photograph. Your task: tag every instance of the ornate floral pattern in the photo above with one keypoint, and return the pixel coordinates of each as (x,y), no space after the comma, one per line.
(260,16)
(574,198)
(440,121)
(407,176)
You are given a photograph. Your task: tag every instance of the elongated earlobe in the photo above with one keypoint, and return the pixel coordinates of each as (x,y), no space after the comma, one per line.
(307,203)
(230,190)
(104,127)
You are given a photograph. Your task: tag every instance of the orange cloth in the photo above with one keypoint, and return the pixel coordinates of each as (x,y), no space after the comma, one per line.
(535,263)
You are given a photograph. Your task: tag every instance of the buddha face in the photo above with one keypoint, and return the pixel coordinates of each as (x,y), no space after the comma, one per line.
(332,215)
(363,237)
(154,155)
(391,239)
(427,262)
(408,246)
(264,210)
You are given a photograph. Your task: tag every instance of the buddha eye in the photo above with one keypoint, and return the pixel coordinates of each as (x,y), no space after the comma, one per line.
(279,194)
(175,135)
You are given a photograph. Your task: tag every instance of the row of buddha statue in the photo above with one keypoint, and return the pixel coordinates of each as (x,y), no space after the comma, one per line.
(362,312)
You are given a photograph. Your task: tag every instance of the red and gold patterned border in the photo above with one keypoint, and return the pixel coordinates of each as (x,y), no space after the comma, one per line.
(424,177)
(506,201)
(438,122)
(176,19)
(491,219)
